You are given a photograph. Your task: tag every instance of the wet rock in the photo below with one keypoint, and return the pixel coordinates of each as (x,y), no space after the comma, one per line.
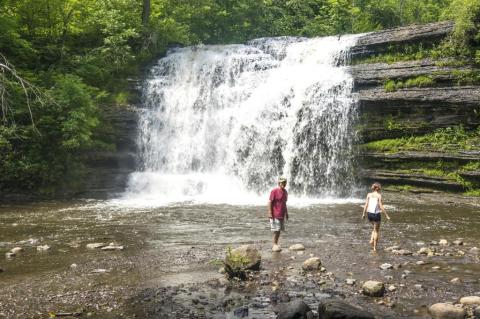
(112,246)
(332,309)
(418,286)
(455,280)
(403,252)
(73,266)
(43,248)
(95,245)
(9,255)
(434,243)
(241,312)
(239,260)
(458,242)
(470,300)
(296,309)
(297,247)
(392,288)
(436,267)
(421,262)
(373,288)
(474,250)
(443,242)
(446,311)
(386,266)
(312,264)
(350,281)
(476,313)
(389,277)
(392,248)
(16,250)
(426,251)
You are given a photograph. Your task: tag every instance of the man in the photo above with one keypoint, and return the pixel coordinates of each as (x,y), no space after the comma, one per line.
(277,211)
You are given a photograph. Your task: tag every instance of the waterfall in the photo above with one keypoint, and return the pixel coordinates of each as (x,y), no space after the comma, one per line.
(223,121)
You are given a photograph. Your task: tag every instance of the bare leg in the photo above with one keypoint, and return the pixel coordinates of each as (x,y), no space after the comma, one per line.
(376,235)
(276,235)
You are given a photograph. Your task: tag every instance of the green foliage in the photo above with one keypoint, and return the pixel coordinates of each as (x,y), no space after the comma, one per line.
(444,139)
(419,81)
(235,264)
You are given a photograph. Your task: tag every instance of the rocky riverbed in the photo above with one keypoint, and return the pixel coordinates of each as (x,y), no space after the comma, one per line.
(164,262)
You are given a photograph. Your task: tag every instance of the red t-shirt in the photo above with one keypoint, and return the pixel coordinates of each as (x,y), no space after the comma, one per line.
(279,197)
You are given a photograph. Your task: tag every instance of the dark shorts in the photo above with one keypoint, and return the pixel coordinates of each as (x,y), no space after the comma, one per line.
(372,217)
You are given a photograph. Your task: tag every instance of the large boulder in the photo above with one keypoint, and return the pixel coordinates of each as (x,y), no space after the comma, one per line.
(336,309)
(296,309)
(446,311)
(373,288)
(312,264)
(241,259)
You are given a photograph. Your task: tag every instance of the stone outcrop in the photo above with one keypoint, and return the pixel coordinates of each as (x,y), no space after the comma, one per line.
(378,42)
(411,111)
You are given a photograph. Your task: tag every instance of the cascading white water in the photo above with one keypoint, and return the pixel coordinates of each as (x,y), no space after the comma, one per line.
(221,123)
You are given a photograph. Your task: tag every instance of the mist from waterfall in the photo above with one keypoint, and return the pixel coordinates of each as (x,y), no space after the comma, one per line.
(220,123)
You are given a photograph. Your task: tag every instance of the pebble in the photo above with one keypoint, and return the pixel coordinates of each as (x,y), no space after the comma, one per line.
(389,277)
(443,242)
(392,288)
(9,255)
(112,246)
(455,280)
(386,266)
(95,245)
(436,267)
(297,247)
(474,250)
(421,262)
(310,264)
(350,281)
(418,286)
(373,288)
(43,248)
(73,266)
(458,242)
(392,248)
(16,250)
(403,252)
(420,243)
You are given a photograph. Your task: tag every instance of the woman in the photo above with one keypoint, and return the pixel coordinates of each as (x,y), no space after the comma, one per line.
(373,206)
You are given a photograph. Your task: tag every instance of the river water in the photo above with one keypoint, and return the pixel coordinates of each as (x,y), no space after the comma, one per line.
(175,244)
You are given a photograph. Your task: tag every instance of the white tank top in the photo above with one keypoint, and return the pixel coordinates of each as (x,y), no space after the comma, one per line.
(373,206)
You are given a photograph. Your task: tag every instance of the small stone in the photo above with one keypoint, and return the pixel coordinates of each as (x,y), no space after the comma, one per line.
(100,271)
(373,288)
(392,288)
(443,242)
(9,255)
(420,262)
(403,252)
(460,253)
(455,280)
(16,250)
(389,277)
(420,243)
(311,264)
(95,245)
(434,243)
(112,247)
(418,286)
(458,242)
(323,269)
(474,250)
(43,248)
(392,248)
(350,281)
(446,311)
(296,247)
(407,272)
(404,276)
(73,266)
(470,300)
(436,267)
(386,266)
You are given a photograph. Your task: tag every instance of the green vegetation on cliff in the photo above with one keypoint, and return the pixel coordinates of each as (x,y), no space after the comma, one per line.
(64,62)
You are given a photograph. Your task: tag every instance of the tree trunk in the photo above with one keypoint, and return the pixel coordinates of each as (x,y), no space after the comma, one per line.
(146,12)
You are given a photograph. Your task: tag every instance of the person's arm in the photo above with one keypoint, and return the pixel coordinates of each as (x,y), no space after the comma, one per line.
(365,207)
(286,208)
(380,202)
(270,209)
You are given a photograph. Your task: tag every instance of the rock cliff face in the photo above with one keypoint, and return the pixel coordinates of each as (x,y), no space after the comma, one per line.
(398,111)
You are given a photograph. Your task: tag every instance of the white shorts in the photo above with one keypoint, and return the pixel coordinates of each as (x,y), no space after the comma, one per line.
(277,225)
